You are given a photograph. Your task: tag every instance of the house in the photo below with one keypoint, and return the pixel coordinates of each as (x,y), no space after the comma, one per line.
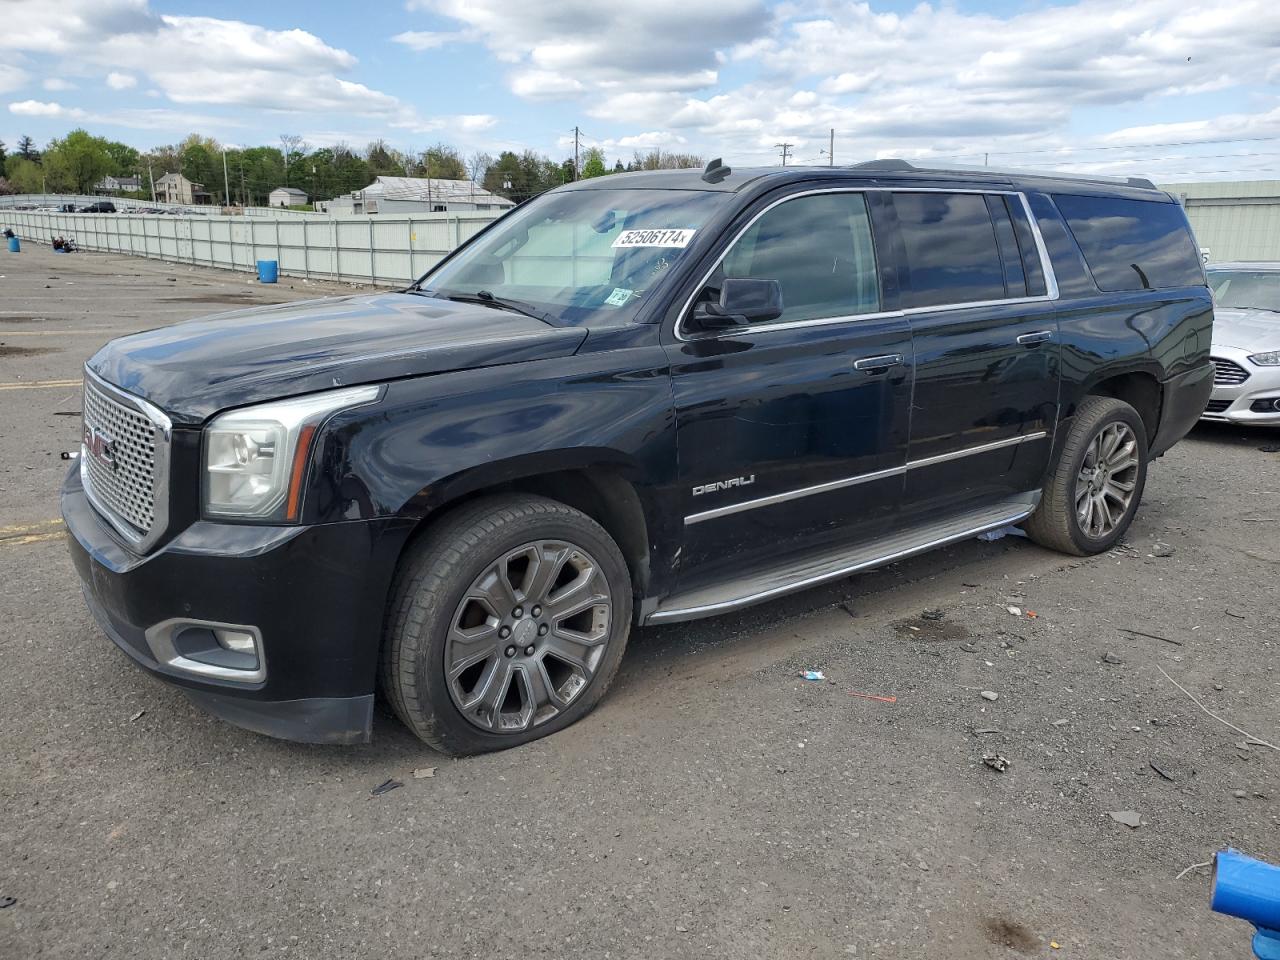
(115,185)
(175,188)
(286,197)
(418,194)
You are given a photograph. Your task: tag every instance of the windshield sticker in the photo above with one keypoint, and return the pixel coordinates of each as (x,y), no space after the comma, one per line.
(619,297)
(654,238)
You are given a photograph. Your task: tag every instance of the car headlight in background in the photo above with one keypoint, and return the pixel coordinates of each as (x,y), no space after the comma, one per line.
(255,459)
(1271,359)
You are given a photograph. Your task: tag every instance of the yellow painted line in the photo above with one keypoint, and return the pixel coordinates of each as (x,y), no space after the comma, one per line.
(23,528)
(59,333)
(40,384)
(34,538)
(25,533)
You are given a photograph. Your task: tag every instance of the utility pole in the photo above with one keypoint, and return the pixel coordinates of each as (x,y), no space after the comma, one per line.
(575,153)
(785,147)
(985,158)
(151,174)
(831,150)
(226,181)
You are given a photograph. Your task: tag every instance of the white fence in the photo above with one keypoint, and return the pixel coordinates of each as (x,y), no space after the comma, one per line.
(128,204)
(385,249)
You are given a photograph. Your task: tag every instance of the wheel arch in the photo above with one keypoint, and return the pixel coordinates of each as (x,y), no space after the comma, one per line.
(596,482)
(1141,389)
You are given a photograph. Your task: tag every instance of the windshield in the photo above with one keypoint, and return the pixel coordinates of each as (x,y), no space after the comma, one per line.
(1254,289)
(580,256)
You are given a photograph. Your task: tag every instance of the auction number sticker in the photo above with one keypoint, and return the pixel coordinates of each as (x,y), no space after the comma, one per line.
(654,238)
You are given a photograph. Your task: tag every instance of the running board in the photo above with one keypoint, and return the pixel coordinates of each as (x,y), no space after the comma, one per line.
(832,564)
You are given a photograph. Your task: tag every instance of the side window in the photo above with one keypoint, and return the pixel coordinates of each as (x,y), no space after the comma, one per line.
(1133,244)
(1031,265)
(819,250)
(1015,278)
(951,249)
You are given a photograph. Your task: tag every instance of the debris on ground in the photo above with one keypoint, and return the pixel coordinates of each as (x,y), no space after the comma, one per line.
(996,762)
(138,716)
(385,787)
(968,648)
(873,696)
(1032,614)
(1149,636)
(813,675)
(7,902)
(1061,723)
(1238,794)
(1194,866)
(1014,611)
(1171,768)
(932,614)
(992,535)
(1162,550)
(983,731)
(1130,818)
(989,695)
(1110,657)
(1258,741)
(424,773)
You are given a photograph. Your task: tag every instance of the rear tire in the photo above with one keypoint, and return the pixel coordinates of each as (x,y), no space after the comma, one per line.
(1097,483)
(507,623)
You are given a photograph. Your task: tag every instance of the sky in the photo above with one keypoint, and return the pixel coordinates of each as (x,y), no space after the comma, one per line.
(1171,89)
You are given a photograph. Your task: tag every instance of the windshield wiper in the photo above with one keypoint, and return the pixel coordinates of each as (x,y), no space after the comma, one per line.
(486,299)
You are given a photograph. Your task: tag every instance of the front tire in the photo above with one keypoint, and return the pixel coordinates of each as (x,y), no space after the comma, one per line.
(1097,483)
(507,623)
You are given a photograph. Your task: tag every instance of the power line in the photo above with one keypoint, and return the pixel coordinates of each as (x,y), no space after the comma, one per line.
(1110,146)
(785,147)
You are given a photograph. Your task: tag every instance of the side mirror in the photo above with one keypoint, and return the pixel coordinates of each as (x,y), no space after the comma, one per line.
(742,301)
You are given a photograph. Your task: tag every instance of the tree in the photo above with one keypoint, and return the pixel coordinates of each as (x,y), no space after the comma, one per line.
(25,176)
(383,161)
(593,164)
(77,162)
(27,150)
(202,165)
(477,164)
(124,158)
(442,162)
(658,160)
(294,148)
(2,155)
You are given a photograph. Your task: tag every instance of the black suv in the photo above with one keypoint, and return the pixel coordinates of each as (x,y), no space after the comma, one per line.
(98,206)
(636,399)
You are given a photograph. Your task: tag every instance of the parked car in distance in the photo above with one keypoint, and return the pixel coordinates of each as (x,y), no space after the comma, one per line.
(635,399)
(1246,343)
(98,206)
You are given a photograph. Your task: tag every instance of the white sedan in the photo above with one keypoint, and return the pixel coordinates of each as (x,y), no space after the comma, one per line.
(1246,343)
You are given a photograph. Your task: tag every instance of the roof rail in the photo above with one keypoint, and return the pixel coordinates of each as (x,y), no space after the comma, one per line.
(897,165)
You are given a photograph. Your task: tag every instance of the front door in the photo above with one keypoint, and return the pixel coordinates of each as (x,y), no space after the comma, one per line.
(975,289)
(792,433)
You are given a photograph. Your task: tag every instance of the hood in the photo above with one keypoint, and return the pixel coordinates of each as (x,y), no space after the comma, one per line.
(1256,331)
(194,369)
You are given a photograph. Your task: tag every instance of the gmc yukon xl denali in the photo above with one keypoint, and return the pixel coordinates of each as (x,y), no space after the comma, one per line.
(636,399)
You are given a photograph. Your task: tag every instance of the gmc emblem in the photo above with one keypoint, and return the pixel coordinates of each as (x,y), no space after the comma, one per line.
(100,446)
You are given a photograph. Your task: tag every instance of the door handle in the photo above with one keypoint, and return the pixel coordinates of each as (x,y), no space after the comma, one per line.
(877,364)
(1035,339)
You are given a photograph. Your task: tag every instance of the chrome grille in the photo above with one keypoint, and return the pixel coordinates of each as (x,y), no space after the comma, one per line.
(1227,373)
(124,459)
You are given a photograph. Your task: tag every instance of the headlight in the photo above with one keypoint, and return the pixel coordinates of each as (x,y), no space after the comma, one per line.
(255,459)
(1271,359)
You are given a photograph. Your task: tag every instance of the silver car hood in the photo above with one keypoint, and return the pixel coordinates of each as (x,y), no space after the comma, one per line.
(1252,330)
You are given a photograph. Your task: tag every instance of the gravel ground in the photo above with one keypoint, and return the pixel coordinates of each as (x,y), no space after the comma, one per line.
(716,805)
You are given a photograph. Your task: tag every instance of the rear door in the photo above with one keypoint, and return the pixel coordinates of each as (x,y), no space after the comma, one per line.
(979,295)
(793,433)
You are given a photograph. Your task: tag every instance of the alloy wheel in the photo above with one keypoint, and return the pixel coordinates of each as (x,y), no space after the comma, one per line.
(528,636)
(1107,479)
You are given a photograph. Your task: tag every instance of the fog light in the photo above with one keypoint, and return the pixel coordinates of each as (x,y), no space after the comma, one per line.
(237,641)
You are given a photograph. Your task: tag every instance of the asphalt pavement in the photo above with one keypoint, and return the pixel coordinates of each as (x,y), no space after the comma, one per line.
(716,805)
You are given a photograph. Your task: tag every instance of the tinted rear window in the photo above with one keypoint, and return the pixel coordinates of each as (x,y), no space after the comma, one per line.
(952,254)
(1133,244)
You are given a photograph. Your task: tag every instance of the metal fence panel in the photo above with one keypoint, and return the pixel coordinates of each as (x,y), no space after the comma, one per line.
(384,249)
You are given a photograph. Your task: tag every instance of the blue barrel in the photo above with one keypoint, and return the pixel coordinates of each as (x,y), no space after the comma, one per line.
(14,245)
(268,271)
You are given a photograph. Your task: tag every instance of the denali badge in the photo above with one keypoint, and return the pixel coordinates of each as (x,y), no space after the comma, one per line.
(100,446)
(719,485)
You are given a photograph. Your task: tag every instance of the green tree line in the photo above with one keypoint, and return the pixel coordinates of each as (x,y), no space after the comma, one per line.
(79,161)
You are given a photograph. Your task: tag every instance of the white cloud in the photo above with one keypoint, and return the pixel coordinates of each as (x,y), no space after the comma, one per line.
(11,78)
(57,84)
(577,47)
(41,108)
(423,40)
(121,81)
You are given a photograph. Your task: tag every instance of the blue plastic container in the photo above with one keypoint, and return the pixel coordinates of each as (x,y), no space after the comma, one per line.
(268,271)
(1250,889)
(14,245)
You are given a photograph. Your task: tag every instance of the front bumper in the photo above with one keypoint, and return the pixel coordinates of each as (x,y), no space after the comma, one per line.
(314,594)
(1235,403)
